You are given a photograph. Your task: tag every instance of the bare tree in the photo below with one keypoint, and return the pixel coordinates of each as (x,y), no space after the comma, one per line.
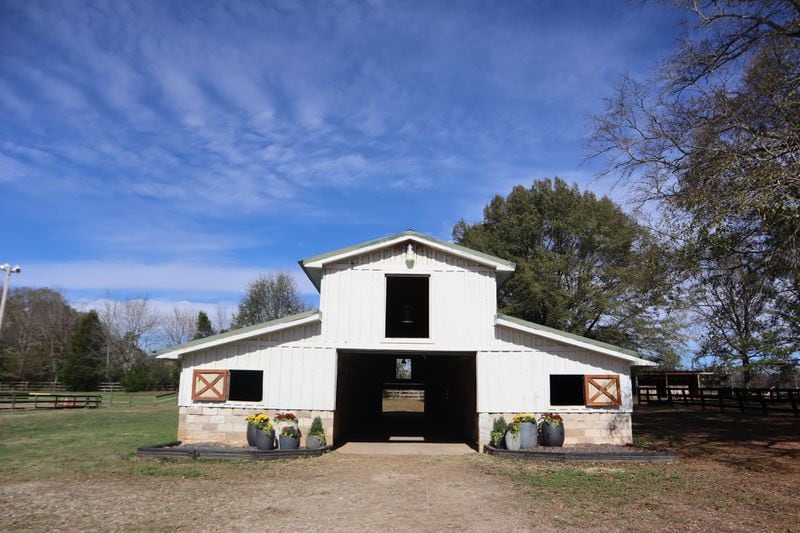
(712,144)
(178,326)
(36,334)
(131,329)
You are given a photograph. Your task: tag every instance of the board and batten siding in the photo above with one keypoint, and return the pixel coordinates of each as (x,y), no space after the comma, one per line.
(514,374)
(462,297)
(299,372)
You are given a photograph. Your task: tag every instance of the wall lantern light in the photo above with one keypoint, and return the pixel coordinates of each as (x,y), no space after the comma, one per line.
(411,256)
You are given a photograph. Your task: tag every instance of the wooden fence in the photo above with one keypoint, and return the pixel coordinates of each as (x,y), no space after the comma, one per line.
(32,385)
(39,400)
(765,400)
(130,400)
(111,386)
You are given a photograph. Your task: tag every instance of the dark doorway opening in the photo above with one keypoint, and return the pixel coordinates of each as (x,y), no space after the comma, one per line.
(389,396)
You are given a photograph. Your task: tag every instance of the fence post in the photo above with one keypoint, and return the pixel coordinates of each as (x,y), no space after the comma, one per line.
(14,402)
(130,399)
(721,403)
(763,402)
(669,397)
(738,394)
(702,399)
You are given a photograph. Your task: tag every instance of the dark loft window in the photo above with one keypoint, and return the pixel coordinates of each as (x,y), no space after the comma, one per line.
(246,386)
(407,306)
(566,389)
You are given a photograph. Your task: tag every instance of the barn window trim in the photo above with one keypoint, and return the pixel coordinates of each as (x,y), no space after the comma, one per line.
(595,390)
(210,385)
(240,379)
(393,331)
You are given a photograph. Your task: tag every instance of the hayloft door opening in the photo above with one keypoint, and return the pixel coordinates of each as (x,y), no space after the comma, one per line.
(428,397)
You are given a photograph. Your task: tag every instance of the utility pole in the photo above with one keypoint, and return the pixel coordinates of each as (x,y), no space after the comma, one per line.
(8,269)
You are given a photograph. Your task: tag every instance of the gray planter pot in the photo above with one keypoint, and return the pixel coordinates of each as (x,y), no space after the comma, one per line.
(528,436)
(288,443)
(252,433)
(552,435)
(314,442)
(265,440)
(512,441)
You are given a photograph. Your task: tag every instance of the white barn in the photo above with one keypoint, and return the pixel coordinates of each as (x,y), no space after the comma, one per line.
(407,341)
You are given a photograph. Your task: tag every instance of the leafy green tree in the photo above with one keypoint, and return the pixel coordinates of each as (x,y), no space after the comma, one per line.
(149,373)
(84,363)
(583,266)
(269,297)
(204,327)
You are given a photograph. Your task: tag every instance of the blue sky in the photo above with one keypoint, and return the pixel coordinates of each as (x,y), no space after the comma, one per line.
(177,149)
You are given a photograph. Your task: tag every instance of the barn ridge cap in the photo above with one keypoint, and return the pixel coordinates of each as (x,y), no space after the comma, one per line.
(312,266)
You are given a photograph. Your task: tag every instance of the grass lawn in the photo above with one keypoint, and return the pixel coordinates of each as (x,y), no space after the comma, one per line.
(735,473)
(68,443)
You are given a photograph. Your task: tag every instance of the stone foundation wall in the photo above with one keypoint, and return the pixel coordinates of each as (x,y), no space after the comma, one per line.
(227,425)
(579,428)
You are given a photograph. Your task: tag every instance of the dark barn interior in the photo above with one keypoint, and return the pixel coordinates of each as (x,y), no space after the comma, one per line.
(390,396)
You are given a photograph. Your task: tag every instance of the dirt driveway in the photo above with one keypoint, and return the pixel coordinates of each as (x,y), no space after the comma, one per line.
(736,473)
(332,493)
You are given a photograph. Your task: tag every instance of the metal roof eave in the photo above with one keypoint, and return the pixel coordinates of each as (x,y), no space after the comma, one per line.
(240,334)
(571,339)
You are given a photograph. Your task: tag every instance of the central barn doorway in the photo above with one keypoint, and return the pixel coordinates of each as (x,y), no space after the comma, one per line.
(428,397)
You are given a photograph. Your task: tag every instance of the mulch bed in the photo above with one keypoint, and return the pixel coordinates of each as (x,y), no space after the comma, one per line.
(592,454)
(213,451)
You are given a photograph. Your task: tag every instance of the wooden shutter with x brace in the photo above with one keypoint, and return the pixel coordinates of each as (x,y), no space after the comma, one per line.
(603,391)
(210,385)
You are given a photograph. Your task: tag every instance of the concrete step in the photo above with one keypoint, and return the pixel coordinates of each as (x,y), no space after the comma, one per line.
(405,448)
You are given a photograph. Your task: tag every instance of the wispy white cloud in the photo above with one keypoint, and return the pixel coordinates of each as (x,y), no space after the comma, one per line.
(142,277)
(160,135)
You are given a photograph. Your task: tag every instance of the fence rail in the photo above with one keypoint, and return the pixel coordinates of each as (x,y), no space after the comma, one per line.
(764,400)
(37,400)
(111,386)
(32,385)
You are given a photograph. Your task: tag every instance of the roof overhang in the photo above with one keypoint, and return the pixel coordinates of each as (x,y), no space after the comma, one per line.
(572,340)
(249,332)
(313,266)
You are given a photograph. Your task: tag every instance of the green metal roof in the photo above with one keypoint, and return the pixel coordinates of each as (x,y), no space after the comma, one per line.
(547,329)
(315,275)
(239,331)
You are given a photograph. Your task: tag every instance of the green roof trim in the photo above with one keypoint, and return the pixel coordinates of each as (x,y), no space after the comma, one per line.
(547,329)
(239,331)
(316,276)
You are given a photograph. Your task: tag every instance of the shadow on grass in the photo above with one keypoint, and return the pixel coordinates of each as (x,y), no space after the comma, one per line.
(746,440)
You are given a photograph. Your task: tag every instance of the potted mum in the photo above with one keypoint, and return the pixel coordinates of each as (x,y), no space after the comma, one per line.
(316,435)
(528,433)
(282,421)
(261,431)
(552,429)
(289,438)
(512,437)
